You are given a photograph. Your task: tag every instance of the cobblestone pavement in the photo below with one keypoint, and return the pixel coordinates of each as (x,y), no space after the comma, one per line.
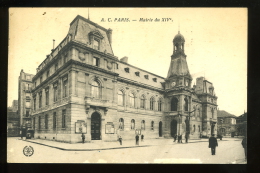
(229,151)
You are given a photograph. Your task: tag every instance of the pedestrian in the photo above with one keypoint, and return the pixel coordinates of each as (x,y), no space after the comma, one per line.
(142,137)
(220,137)
(136,140)
(181,138)
(21,134)
(83,138)
(120,140)
(186,137)
(175,137)
(244,144)
(213,143)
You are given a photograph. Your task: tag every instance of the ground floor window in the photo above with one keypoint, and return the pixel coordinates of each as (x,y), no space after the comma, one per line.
(132,124)
(143,125)
(121,124)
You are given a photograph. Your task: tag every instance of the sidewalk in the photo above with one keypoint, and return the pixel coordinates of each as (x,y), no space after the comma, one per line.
(100,145)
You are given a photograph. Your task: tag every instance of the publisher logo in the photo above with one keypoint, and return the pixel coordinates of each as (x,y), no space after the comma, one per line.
(28,151)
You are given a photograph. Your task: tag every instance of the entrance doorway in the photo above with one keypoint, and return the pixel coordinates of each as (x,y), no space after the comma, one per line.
(160,129)
(173,128)
(95,126)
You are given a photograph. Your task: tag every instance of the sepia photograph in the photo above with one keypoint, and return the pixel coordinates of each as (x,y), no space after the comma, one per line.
(127,85)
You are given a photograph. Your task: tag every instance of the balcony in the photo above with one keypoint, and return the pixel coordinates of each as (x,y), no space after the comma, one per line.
(97,102)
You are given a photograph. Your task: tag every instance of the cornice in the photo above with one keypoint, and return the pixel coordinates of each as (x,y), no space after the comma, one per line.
(121,79)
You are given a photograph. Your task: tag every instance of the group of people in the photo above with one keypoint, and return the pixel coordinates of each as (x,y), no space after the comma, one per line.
(179,137)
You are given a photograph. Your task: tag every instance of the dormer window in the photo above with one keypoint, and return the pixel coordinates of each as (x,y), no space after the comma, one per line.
(146,76)
(96,44)
(127,70)
(155,79)
(137,73)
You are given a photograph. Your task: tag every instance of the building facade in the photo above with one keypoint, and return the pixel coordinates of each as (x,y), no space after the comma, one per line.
(13,120)
(242,124)
(226,123)
(82,87)
(25,98)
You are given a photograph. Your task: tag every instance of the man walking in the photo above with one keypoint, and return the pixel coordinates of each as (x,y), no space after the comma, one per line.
(186,137)
(213,143)
(244,144)
(175,137)
(83,138)
(120,140)
(142,137)
(136,140)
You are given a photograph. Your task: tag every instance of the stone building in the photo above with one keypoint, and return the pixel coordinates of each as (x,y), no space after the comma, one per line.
(82,87)
(13,120)
(226,123)
(241,125)
(25,98)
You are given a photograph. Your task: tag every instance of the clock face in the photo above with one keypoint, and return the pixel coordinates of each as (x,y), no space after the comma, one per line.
(173,84)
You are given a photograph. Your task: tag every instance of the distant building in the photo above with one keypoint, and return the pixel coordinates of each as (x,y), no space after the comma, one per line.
(13,120)
(226,123)
(81,87)
(25,98)
(242,124)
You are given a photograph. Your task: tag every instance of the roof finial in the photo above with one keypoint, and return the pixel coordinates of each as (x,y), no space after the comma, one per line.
(88,13)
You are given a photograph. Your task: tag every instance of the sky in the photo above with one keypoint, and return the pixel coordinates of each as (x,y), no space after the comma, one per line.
(215,43)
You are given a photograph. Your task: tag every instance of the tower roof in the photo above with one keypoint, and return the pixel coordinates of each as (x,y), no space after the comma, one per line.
(178,67)
(178,38)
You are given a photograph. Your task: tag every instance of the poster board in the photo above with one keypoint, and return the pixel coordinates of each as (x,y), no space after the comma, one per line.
(80,126)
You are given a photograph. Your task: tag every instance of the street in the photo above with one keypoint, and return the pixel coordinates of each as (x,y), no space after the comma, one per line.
(229,151)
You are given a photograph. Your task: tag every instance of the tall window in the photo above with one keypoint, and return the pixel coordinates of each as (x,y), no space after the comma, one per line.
(132,124)
(34,102)
(47,73)
(132,100)
(65,58)
(63,118)
(194,128)
(152,125)
(39,123)
(27,112)
(95,88)
(142,102)
(212,112)
(55,92)
(121,124)
(96,61)
(41,79)
(54,120)
(186,107)
(199,128)
(40,99)
(65,86)
(47,96)
(142,125)
(198,112)
(96,44)
(174,104)
(56,67)
(160,104)
(46,121)
(120,98)
(151,103)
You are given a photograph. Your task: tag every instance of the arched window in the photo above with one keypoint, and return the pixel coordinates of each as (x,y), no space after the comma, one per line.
(142,125)
(132,124)
(152,103)
(194,128)
(199,128)
(132,100)
(95,89)
(142,102)
(120,97)
(152,125)
(212,112)
(186,107)
(198,112)
(174,104)
(160,104)
(121,124)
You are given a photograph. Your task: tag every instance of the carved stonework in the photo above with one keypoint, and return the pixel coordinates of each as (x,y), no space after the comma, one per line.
(87,107)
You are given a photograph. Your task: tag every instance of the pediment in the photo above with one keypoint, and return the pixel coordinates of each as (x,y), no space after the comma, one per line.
(97,34)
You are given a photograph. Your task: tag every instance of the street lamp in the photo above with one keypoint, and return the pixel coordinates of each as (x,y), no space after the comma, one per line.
(188,124)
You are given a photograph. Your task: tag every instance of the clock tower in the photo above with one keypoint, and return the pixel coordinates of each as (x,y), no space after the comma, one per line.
(178,91)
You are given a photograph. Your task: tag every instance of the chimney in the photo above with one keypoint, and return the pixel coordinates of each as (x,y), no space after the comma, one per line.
(124,59)
(109,35)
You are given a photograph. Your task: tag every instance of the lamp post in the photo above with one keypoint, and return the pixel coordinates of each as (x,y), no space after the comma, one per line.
(179,122)
(188,124)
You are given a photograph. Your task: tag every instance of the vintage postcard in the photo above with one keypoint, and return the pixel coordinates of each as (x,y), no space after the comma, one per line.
(127,85)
